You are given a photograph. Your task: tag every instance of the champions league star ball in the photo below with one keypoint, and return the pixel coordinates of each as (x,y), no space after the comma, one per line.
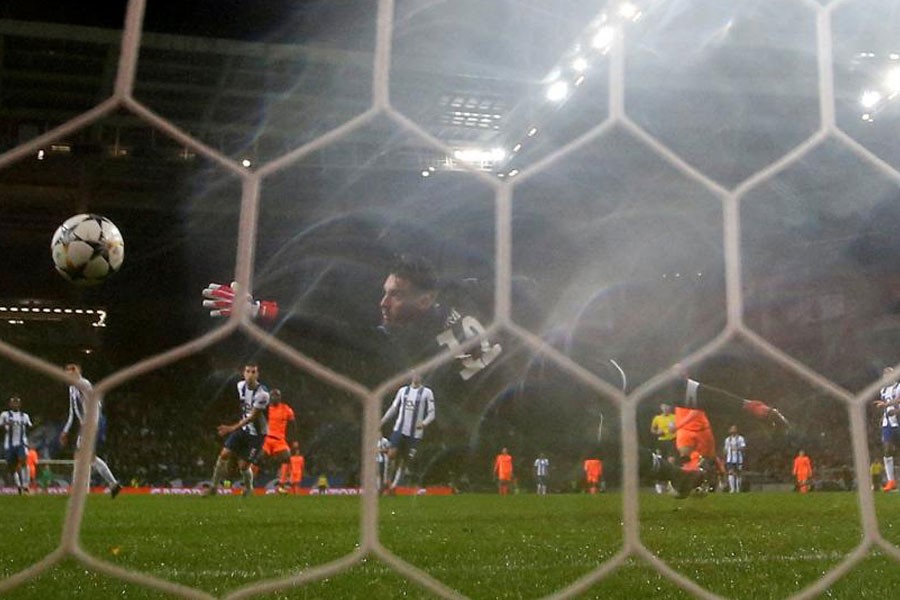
(87,249)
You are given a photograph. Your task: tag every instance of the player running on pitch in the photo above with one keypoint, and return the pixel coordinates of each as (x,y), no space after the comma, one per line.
(413,411)
(77,412)
(16,424)
(244,439)
(276,446)
(888,401)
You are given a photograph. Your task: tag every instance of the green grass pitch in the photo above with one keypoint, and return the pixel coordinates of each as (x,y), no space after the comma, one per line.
(765,545)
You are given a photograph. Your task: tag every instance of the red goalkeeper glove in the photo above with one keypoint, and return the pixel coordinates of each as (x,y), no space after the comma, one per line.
(757,408)
(219,299)
(761,410)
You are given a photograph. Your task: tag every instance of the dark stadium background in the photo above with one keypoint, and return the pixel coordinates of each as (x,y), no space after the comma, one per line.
(604,279)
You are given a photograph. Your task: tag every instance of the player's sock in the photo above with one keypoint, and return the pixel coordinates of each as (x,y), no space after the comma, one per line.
(732,482)
(683,481)
(655,464)
(247,477)
(889,467)
(25,477)
(17,481)
(388,476)
(100,465)
(218,470)
(398,475)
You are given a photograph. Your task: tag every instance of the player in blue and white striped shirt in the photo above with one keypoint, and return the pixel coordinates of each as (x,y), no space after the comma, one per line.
(888,401)
(541,472)
(77,412)
(413,407)
(734,449)
(381,459)
(15,443)
(244,439)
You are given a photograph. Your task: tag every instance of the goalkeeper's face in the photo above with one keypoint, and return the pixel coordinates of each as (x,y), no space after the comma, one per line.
(403,301)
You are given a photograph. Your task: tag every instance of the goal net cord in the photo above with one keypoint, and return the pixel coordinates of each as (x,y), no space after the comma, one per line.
(123,97)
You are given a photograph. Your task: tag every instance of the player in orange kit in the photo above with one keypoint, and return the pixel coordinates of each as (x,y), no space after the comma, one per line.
(503,471)
(803,471)
(293,470)
(281,430)
(31,461)
(593,473)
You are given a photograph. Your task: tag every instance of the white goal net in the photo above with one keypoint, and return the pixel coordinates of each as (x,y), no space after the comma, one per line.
(635,189)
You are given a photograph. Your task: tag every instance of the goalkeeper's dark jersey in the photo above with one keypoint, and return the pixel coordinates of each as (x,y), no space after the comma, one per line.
(371,354)
(473,391)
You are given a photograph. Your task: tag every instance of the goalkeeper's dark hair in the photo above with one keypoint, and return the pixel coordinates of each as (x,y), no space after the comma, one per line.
(417,270)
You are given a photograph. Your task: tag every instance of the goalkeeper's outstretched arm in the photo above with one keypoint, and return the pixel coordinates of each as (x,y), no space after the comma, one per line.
(701,396)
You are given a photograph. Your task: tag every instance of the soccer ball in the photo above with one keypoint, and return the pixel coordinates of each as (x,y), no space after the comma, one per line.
(87,249)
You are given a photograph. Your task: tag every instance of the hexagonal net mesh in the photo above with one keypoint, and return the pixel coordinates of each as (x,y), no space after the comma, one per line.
(504,192)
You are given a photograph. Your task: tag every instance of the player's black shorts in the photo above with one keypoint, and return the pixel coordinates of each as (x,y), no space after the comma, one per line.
(666,448)
(890,435)
(246,446)
(99,440)
(14,454)
(405,444)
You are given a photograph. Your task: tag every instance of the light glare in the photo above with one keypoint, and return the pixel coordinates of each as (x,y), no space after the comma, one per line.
(870,98)
(477,155)
(629,11)
(603,38)
(557,91)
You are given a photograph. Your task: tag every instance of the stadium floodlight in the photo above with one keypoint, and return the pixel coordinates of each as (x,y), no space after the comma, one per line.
(579,64)
(557,91)
(532,132)
(870,98)
(603,39)
(477,155)
(629,11)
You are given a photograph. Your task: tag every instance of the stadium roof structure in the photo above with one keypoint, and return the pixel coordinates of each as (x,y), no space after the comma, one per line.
(258,100)
(243,98)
